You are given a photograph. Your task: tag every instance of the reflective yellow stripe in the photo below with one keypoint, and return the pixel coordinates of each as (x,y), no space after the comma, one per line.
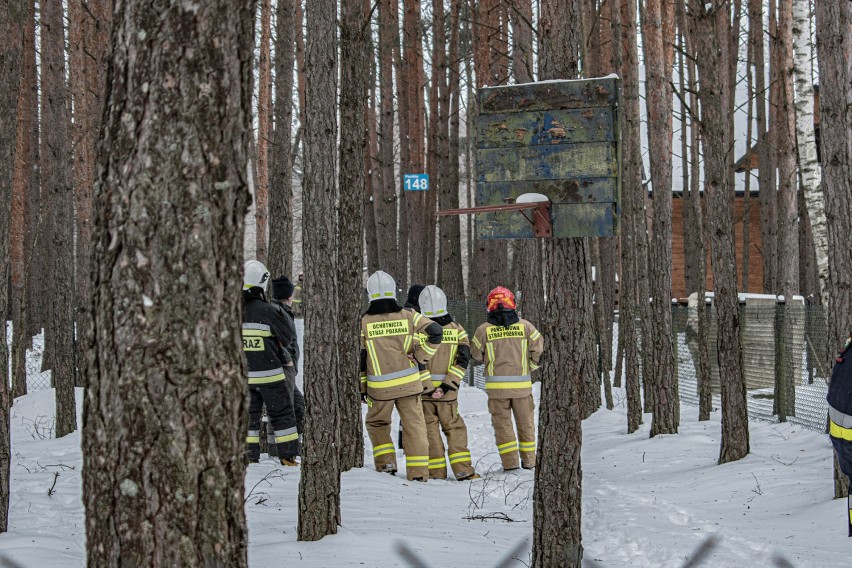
(436,384)
(837,431)
(287,438)
(428,348)
(252,439)
(535,335)
(527,446)
(394,382)
(525,364)
(490,369)
(438,463)
(256,333)
(534,366)
(417,460)
(265,380)
(363,378)
(507,447)
(453,350)
(455,371)
(371,350)
(417,318)
(383,449)
(518,385)
(462,334)
(476,342)
(459,457)
(407,345)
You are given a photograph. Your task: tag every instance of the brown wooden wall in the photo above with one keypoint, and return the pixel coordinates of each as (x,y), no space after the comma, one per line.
(755,279)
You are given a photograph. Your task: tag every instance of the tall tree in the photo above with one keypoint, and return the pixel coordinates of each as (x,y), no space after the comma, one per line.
(319,488)
(55,152)
(706,22)
(633,218)
(12,25)
(354,77)
(175,150)
(385,205)
(24,184)
(834,52)
(450,277)
(280,259)
(88,32)
(568,338)
(766,164)
(658,41)
(809,168)
(373,181)
(264,96)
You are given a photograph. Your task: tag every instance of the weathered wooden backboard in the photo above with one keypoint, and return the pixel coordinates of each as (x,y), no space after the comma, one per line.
(557,138)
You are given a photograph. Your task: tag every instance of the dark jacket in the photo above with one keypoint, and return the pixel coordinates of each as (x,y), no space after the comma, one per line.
(840,408)
(292,345)
(264,334)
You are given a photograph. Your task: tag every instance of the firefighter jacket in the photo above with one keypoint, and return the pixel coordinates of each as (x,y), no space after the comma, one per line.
(264,335)
(510,353)
(448,365)
(840,408)
(392,350)
(292,345)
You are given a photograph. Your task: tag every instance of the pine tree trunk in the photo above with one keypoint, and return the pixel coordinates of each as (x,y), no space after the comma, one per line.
(450,277)
(13,20)
(386,205)
(23,182)
(658,44)
(160,354)
(354,77)
(632,199)
(319,488)
(55,144)
(264,95)
(568,343)
(373,182)
(280,258)
(809,168)
(766,165)
(834,51)
(707,22)
(89,49)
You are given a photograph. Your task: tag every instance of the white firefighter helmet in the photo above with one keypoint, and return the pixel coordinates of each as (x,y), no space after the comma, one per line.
(380,285)
(255,274)
(433,302)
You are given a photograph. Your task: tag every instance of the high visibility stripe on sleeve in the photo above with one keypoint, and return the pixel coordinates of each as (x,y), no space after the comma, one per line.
(837,431)
(535,335)
(428,349)
(383,449)
(363,378)
(456,371)
(476,342)
(534,365)
(417,318)
(459,457)
(462,334)
(507,447)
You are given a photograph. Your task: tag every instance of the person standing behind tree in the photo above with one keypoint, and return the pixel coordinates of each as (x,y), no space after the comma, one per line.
(510,348)
(394,342)
(264,338)
(298,307)
(282,301)
(441,409)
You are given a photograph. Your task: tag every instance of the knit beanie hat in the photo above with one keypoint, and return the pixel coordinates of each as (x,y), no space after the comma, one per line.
(282,288)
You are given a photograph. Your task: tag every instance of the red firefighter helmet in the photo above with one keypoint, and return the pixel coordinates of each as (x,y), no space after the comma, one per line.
(501,296)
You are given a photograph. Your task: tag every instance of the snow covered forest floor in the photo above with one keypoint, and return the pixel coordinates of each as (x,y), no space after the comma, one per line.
(646,502)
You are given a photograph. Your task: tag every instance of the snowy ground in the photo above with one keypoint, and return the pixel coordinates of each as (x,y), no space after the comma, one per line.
(646,502)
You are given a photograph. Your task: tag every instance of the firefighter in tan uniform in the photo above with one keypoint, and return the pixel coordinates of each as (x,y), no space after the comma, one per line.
(394,344)
(510,348)
(441,408)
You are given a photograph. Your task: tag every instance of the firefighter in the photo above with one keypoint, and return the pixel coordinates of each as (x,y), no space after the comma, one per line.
(264,338)
(510,348)
(282,301)
(298,308)
(840,409)
(441,408)
(412,304)
(394,342)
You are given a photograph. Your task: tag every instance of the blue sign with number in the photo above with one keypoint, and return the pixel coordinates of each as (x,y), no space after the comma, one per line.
(415,182)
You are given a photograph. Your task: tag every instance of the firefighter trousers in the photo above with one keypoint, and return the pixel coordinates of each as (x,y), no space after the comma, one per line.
(298,401)
(508,445)
(445,416)
(413,435)
(279,408)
